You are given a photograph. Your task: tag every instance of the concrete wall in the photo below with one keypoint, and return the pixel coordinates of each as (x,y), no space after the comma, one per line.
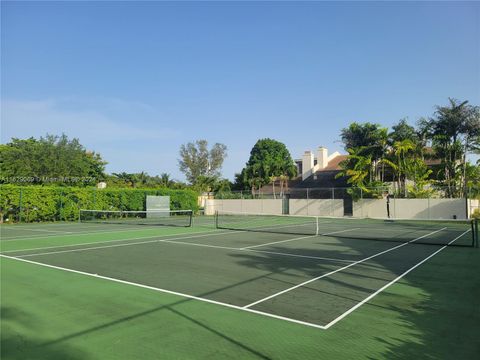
(316,207)
(262,206)
(473,205)
(373,208)
(411,208)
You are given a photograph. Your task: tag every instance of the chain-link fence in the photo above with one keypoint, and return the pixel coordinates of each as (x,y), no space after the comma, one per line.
(38,203)
(350,192)
(382,202)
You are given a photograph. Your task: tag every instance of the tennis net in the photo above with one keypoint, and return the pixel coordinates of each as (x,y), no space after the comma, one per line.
(434,232)
(181,218)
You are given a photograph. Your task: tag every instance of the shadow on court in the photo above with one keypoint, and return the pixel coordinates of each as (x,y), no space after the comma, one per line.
(15,346)
(443,317)
(439,315)
(34,346)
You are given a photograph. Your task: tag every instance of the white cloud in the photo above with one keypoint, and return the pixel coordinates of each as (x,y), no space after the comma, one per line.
(94,125)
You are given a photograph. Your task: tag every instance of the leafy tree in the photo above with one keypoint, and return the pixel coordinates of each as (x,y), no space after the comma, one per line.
(211,183)
(357,168)
(269,160)
(367,136)
(165,180)
(454,131)
(50,159)
(129,180)
(372,141)
(143,180)
(403,131)
(239,182)
(197,160)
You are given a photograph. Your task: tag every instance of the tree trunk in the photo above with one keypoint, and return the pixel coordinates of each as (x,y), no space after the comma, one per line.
(464,180)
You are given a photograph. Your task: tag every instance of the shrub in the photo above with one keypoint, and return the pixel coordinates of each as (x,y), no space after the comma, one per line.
(53,203)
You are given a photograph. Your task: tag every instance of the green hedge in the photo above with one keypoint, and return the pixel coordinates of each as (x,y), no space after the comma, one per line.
(51,203)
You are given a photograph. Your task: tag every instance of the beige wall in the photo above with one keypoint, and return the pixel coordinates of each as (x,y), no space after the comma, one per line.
(411,208)
(261,206)
(473,205)
(316,207)
(373,208)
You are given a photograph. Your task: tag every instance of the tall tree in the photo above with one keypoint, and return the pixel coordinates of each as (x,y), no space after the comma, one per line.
(357,168)
(129,180)
(369,140)
(165,180)
(269,160)
(197,160)
(403,131)
(50,159)
(454,131)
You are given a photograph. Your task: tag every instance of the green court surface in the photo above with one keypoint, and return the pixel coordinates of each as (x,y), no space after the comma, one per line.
(111,291)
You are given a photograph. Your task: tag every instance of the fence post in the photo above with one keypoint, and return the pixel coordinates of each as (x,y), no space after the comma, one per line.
(61,206)
(20,207)
(467,207)
(308,201)
(361,201)
(394,206)
(332,208)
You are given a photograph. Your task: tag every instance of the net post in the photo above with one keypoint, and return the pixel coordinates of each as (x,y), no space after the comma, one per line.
(216,219)
(317,226)
(191,218)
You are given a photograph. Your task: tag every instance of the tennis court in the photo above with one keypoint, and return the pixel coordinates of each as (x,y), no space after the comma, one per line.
(306,270)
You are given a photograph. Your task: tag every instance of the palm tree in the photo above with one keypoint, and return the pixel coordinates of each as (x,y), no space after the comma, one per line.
(165,180)
(142,178)
(273,178)
(357,168)
(128,179)
(402,150)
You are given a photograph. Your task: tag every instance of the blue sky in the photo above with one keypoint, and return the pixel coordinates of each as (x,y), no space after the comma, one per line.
(135,80)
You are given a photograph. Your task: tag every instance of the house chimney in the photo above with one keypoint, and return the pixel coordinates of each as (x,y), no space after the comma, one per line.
(307,164)
(322,157)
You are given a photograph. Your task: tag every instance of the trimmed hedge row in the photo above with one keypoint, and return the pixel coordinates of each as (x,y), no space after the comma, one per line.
(53,203)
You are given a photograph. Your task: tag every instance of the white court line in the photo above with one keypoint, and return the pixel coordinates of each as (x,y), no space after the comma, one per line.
(333,322)
(323,327)
(300,256)
(335,271)
(59,232)
(277,242)
(299,238)
(168,292)
(262,228)
(85,232)
(259,251)
(106,241)
(338,232)
(174,241)
(121,245)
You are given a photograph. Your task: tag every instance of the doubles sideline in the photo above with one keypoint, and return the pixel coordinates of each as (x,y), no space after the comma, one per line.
(247,308)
